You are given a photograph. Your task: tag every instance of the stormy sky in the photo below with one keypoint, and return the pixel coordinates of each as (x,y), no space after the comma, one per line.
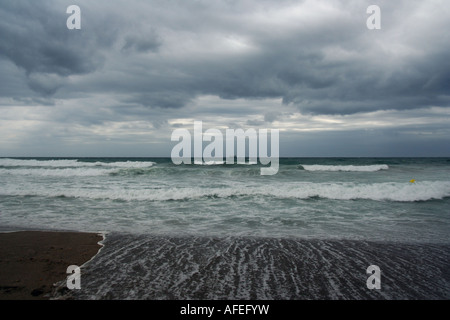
(137,70)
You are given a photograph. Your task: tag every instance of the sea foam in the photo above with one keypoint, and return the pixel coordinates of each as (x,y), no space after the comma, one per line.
(71,163)
(367,168)
(386,191)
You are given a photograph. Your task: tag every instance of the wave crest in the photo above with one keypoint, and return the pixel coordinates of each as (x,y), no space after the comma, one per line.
(72,163)
(68,168)
(387,191)
(347,168)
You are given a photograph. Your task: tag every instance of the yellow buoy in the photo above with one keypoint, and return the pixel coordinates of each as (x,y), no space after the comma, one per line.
(412,180)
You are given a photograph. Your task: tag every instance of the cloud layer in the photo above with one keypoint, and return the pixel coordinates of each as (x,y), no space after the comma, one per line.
(255,62)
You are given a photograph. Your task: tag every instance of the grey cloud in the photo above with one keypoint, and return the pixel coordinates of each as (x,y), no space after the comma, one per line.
(295,68)
(255,123)
(34,37)
(34,101)
(160,99)
(322,65)
(159,123)
(141,44)
(271,116)
(44,83)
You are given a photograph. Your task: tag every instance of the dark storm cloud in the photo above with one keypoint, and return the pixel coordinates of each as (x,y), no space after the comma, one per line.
(44,83)
(141,44)
(161,99)
(315,55)
(332,65)
(35,38)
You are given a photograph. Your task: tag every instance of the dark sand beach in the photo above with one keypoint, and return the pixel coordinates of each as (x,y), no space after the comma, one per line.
(31,262)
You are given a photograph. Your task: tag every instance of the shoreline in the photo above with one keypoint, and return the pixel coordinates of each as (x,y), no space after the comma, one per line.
(160,267)
(164,267)
(32,262)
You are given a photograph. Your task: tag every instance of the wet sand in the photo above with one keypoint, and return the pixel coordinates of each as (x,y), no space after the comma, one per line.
(31,262)
(152,267)
(168,267)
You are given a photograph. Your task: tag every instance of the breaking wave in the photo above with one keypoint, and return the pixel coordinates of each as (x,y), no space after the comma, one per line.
(71,163)
(393,191)
(68,168)
(367,168)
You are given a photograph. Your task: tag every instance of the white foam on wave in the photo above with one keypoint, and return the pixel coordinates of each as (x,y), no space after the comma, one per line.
(208,163)
(58,172)
(348,168)
(8,162)
(126,164)
(387,191)
(66,168)
(72,163)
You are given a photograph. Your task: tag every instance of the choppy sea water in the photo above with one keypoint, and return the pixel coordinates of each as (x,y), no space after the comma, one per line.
(365,198)
(229,223)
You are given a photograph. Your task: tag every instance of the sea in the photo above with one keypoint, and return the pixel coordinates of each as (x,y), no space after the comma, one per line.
(224,231)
